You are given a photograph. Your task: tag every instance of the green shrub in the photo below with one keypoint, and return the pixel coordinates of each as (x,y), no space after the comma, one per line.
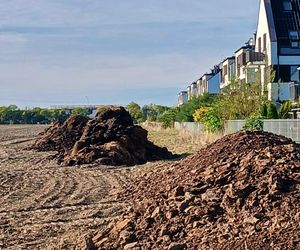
(284,110)
(272,111)
(264,110)
(167,119)
(254,122)
(209,117)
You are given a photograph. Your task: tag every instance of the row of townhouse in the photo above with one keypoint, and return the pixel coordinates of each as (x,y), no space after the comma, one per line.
(274,50)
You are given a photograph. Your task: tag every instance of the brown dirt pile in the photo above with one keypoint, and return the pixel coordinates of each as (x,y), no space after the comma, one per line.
(109,139)
(241,192)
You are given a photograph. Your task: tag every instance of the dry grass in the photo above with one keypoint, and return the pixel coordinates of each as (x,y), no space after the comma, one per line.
(180,142)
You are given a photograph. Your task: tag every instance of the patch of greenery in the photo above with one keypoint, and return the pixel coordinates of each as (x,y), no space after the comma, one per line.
(254,122)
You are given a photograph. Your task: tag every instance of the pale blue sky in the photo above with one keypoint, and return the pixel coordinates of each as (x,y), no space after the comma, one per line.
(114,51)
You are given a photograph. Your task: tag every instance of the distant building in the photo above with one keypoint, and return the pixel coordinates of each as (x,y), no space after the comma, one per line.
(228,71)
(214,82)
(189,92)
(200,88)
(194,91)
(205,79)
(182,98)
(249,64)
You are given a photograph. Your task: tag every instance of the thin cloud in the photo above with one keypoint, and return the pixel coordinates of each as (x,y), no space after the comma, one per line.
(12,38)
(63,50)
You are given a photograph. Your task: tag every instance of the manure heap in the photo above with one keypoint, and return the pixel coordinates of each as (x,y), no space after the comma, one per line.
(109,139)
(241,192)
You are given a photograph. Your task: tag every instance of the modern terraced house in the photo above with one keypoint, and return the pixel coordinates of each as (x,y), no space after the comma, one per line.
(278,37)
(273,54)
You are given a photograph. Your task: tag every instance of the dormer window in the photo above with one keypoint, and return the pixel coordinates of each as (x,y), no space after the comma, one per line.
(294,36)
(287,6)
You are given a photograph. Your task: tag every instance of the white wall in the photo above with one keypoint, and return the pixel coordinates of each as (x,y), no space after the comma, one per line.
(263,28)
(242,75)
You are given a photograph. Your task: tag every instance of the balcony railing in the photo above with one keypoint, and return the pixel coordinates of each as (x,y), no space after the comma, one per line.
(252,56)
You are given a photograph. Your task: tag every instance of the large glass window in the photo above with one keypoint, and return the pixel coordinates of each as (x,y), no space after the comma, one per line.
(287,6)
(294,73)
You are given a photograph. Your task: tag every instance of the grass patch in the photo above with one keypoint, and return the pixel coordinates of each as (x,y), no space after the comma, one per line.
(180,142)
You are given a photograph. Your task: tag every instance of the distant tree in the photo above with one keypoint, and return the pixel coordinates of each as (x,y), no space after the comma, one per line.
(151,112)
(135,111)
(80,111)
(167,119)
(186,111)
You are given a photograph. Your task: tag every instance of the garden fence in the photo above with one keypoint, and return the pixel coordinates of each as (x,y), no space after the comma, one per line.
(289,128)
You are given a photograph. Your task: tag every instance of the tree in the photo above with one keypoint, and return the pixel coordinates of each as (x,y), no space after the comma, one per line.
(186,111)
(151,112)
(168,118)
(209,117)
(79,111)
(135,111)
(240,100)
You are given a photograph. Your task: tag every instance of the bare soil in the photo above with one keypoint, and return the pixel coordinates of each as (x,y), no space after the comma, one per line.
(47,206)
(241,192)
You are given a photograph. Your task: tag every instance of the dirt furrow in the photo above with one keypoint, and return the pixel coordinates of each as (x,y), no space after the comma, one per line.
(43,205)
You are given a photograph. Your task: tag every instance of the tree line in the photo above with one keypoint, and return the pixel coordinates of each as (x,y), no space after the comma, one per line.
(14,115)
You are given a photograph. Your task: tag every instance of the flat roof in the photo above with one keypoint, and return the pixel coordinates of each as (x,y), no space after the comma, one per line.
(229,58)
(244,47)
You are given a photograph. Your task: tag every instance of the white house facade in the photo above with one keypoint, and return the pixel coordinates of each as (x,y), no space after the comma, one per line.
(278,37)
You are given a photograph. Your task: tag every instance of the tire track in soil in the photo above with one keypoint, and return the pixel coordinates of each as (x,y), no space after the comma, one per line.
(43,204)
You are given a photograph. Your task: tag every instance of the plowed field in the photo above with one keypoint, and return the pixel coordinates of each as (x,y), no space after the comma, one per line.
(46,206)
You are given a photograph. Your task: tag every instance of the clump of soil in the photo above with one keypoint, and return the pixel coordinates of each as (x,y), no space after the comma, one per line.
(241,192)
(110,139)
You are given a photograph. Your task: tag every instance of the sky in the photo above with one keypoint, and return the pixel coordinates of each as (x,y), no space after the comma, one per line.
(68,52)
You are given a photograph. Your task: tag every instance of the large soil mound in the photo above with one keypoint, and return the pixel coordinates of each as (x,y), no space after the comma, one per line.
(110,139)
(241,192)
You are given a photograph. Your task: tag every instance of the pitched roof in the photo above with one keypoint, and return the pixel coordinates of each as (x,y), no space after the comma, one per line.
(283,21)
(270,18)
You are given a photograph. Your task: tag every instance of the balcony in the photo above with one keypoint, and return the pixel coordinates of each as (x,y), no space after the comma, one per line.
(252,56)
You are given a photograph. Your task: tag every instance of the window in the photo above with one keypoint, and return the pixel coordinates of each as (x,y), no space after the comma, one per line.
(265,42)
(294,73)
(295,44)
(259,44)
(287,6)
(225,71)
(294,36)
